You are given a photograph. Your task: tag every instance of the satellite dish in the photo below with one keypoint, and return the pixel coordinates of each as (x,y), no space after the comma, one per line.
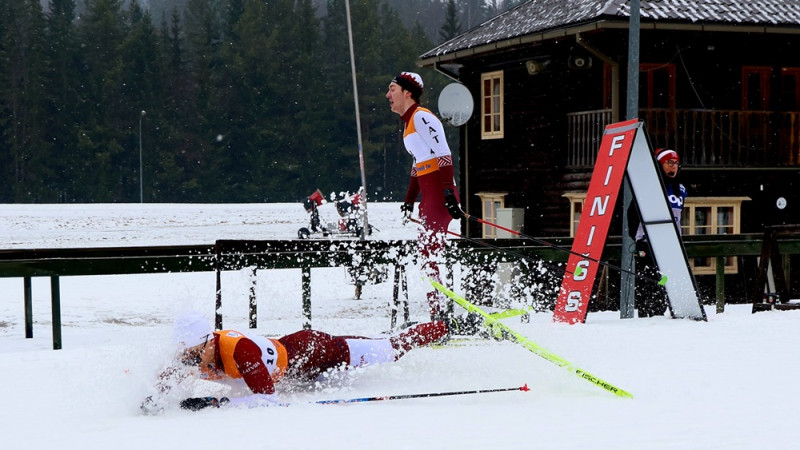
(455,104)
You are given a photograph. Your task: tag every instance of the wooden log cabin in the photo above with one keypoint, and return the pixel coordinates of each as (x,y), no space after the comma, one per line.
(718,81)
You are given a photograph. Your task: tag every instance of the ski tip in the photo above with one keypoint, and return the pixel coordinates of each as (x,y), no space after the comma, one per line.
(578,271)
(525,388)
(662,281)
(625,394)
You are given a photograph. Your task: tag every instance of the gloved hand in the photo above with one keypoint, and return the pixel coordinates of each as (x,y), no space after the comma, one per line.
(198,403)
(151,407)
(407,209)
(642,248)
(451,204)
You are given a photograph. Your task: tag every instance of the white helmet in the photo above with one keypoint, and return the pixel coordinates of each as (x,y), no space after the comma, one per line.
(191,328)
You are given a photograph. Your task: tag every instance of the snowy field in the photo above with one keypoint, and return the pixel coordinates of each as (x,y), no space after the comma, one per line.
(729,383)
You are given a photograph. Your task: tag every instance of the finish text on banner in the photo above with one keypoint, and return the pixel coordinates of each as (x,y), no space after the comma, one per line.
(590,237)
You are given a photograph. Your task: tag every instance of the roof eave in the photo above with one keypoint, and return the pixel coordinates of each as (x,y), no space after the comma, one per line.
(600,25)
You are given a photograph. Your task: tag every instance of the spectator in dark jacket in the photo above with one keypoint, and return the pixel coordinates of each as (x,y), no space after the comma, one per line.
(651,299)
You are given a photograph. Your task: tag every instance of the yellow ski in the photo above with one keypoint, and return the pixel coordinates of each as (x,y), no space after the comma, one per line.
(494,324)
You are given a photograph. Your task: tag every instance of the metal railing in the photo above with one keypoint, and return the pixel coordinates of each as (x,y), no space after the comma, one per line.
(584,132)
(236,255)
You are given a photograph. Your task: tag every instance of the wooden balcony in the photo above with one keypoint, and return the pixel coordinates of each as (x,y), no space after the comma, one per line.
(704,138)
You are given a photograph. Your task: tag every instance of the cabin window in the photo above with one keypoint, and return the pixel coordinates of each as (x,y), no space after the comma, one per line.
(701,216)
(576,200)
(492,105)
(490,203)
(712,215)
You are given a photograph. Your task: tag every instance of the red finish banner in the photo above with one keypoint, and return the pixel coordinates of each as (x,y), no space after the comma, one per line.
(598,209)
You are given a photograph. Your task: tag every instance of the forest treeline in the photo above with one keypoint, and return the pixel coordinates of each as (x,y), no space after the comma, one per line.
(215,100)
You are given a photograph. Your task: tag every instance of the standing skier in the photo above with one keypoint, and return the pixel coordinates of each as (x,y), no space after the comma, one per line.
(431,176)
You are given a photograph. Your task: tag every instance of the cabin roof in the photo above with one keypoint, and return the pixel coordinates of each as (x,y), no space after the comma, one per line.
(543,16)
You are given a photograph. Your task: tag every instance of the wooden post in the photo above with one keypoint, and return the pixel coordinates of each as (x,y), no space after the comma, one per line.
(55,300)
(405,295)
(253,303)
(28,292)
(400,288)
(395,296)
(218,304)
(720,284)
(306,282)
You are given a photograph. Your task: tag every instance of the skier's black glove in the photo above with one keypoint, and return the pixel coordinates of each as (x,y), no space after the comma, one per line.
(198,403)
(642,248)
(407,208)
(451,204)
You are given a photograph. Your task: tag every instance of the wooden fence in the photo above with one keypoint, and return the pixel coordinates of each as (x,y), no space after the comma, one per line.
(304,255)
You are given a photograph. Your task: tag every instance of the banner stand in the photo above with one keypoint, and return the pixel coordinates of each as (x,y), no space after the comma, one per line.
(625,151)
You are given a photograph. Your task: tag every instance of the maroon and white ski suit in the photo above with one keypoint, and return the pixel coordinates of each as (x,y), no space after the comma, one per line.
(431,175)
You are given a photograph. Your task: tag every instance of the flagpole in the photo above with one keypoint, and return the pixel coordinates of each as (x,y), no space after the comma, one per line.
(363,196)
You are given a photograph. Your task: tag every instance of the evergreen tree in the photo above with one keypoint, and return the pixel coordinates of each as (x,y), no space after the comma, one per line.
(308,118)
(7,16)
(233,11)
(372,82)
(451,27)
(138,77)
(100,149)
(399,54)
(206,127)
(245,100)
(64,111)
(25,165)
(175,175)
(271,85)
(337,164)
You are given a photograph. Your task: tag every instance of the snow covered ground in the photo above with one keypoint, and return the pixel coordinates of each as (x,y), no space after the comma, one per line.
(727,383)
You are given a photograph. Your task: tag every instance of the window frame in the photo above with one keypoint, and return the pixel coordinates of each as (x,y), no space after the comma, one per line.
(575,198)
(496,116)
(496,200)
(688,225)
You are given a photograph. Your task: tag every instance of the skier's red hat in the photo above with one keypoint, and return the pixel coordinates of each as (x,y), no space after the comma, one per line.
(666,154)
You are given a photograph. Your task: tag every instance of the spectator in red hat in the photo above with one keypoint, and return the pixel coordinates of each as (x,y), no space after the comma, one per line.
(651,300)
(431,176)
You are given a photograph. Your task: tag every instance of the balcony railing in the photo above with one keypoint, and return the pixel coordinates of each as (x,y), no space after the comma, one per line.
(704,138)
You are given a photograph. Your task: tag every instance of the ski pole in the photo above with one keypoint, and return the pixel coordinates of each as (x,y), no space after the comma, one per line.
(660,282)
(523,388)
(198,403)
(419,222)
(486,244)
